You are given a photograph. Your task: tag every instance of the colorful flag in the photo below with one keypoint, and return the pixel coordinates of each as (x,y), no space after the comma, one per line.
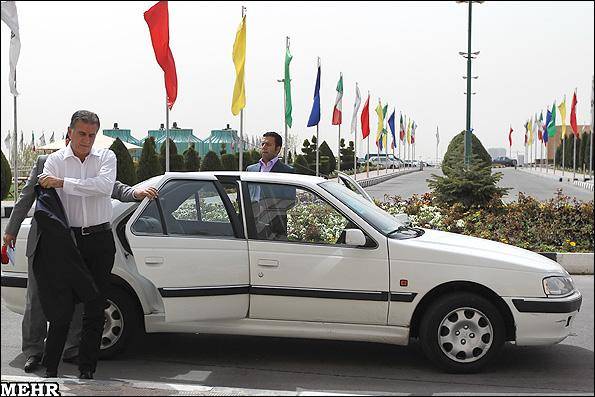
(401,128)
(380,123)
(573,124)
(358,102)
(21,142)
(337,111)
(562,110)
(7,142)
(540,127)
(551,124)
(530,131)
(238,101)
(548,120)
(32,141)
(52,137)
(510,136)
(526,132)
(365,118)
(11,18)
(287,86)
(157,18)
(437,136)
(409,132)
(42,139)
(391,124)
(413,128)
(315,112)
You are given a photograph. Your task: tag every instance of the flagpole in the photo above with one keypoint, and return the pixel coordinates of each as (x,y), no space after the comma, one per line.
(166,135)
(241,145)
(16,170)
(317,153)
(591,134)
(339,150)
(563,154)
(574,158)
(285,108)
(368,157)
(355,139)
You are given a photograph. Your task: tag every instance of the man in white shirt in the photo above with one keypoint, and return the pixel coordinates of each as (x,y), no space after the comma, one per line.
(84,178)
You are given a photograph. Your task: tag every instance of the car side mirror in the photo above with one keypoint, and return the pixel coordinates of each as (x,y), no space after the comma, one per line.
(404,219)
(355,237)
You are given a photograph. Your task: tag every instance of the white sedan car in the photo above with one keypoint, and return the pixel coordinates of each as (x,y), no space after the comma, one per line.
(288,255)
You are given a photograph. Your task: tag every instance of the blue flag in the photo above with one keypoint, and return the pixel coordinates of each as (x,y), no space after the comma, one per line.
(315,113)
(548,119)
(391,124)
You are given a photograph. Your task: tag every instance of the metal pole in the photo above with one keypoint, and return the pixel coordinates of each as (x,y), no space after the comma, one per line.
(368,159)
(16,163)
(339,150)
(574,158)
(468,125)
(563,154)
(285,110)
(355,148)
(166,135)
(241,145)
(317,153)
(591,134)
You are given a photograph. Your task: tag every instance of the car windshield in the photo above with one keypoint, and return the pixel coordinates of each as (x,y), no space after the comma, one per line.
(375,216)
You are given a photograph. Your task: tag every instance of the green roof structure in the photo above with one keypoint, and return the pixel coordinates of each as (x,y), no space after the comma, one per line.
(182,137)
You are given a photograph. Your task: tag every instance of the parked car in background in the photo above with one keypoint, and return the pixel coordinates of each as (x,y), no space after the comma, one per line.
(504,161)
(287,255)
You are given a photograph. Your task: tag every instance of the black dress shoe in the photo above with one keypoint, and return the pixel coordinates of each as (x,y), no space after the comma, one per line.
(50,374)
(86,375)
(32,363)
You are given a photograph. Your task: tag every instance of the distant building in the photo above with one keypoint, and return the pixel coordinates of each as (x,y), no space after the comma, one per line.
(226,136)
(497,152)
(182,137)
(556,141)
(125,136)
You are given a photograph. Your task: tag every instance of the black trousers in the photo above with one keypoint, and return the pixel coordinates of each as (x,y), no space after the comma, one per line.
(98,251)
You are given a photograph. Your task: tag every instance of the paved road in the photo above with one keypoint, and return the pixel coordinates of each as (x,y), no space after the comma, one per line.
(536,186)
(348,367)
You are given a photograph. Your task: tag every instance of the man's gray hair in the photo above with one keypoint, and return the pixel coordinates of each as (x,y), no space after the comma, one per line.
(85,116)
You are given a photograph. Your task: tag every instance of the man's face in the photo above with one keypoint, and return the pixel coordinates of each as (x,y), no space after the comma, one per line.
(268,150)
(82,136)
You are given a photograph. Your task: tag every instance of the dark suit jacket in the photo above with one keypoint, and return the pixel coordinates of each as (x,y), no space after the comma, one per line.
(59,269)
(278,167)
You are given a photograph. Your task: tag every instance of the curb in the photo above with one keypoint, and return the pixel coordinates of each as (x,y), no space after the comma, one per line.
(382,178)
(585,185)
(574,263)
(74,386)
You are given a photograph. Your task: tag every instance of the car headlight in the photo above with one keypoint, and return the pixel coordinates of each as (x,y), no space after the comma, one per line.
(557,286)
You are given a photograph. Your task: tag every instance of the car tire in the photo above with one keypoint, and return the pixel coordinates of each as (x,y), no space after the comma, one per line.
(461,332)
(122,322)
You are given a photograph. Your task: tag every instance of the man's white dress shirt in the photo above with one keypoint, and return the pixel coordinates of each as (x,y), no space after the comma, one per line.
(88,185)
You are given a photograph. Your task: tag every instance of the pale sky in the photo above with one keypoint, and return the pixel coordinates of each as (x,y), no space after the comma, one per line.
(98,56)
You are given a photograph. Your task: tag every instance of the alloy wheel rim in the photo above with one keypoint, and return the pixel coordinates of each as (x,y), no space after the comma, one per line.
(465,335)
(113,326)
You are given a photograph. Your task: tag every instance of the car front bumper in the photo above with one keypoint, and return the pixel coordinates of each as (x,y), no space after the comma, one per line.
(544,321)
(14,291)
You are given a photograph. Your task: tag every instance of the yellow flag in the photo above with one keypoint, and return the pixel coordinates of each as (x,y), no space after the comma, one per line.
(380,122)
(530,127)
(409,132)
(238,101)
(562,110)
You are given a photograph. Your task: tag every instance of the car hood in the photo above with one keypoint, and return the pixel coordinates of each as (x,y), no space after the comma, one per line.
(457,249)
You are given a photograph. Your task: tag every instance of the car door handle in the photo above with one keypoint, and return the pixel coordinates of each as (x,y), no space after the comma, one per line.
(268,263)
(152,260)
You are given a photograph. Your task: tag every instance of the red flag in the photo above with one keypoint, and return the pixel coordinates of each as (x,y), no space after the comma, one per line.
(365,118)
(157,18)
(573,116)
(510,136)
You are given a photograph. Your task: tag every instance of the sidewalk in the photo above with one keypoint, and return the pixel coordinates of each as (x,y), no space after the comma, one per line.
(558,176)
(75,387)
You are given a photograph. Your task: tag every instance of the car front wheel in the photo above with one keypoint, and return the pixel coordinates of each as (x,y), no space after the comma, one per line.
(122,321)
(462,332)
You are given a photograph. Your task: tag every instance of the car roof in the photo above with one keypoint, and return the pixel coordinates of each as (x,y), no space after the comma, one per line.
(248,176)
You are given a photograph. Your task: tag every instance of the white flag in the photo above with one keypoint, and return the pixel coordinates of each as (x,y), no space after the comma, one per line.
(10,17)
(42,139)
(358,101)
(7,142)
(21,144)
(52,138)
(437,136)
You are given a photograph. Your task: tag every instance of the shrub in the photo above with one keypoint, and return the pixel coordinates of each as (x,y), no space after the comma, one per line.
(176,161)
(148,165)
(325,150)
(211,162)
(191,159)
(301,166)
(5,177)
(125,172)
(455,153)
(229,162)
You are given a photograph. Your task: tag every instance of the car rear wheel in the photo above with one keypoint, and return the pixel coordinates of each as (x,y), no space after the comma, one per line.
(462,332)
(122,321)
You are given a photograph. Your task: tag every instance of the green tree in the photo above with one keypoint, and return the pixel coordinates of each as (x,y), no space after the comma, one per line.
(325,150)
(307,151)
(324,167)
(5,177)
(301,165)
(148,165)
(472,187)
(229,162)
(456,149)
(125,171)
(254,156)
(211,162)
(347,155)
(223,149)
(176,161)
(191,159)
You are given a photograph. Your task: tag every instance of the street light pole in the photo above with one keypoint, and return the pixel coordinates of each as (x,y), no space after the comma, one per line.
(468,124)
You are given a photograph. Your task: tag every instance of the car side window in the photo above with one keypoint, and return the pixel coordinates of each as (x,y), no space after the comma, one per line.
(149,222)
(190,208)
(289,213)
